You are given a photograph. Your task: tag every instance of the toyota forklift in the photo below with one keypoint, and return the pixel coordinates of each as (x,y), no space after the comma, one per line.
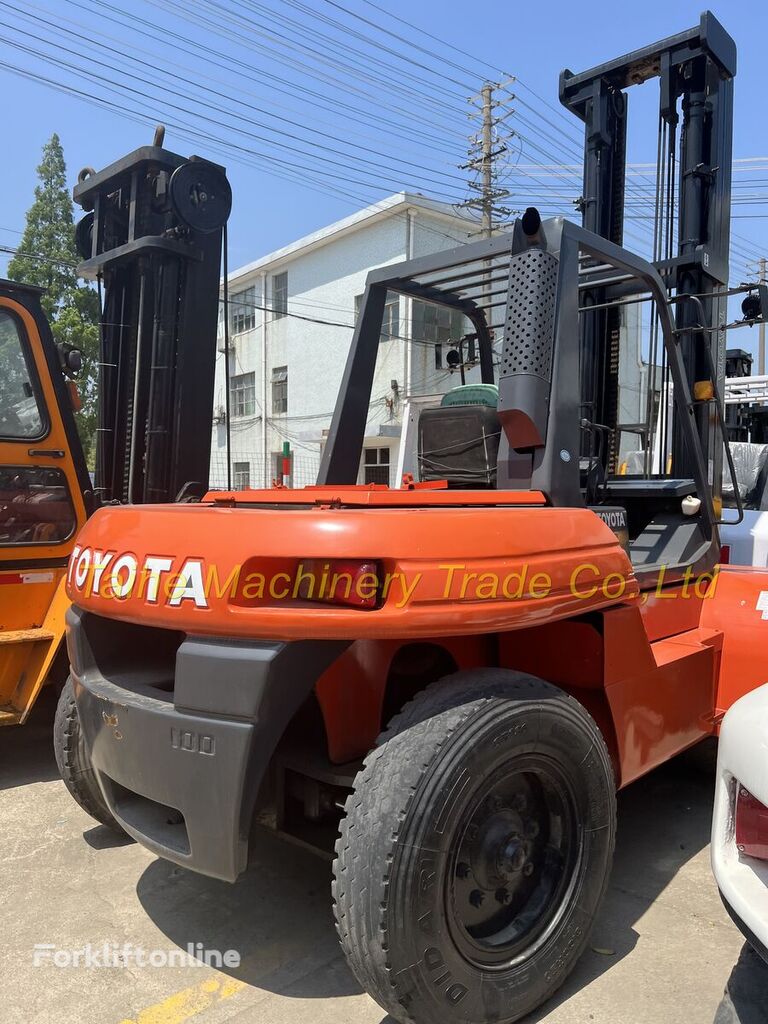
(449,680)
(160,217)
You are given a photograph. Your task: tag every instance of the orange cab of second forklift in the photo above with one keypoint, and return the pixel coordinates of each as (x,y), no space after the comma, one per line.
(44,485)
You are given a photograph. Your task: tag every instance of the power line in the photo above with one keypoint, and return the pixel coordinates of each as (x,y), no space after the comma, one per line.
(421,31)
(376,43)
(244,38)
(290,121)
(108,82)
(241,154)
(352,169)
(245,70)
(36,256)
(288,42)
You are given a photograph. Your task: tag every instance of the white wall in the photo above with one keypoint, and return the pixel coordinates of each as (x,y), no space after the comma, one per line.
(322,285)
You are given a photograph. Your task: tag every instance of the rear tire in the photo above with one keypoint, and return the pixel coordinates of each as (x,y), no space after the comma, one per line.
(74,763)
(475,850)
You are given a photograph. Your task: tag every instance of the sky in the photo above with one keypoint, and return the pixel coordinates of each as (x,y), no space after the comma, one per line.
(313,109)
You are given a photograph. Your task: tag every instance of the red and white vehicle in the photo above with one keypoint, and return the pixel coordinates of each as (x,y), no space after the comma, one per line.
(740,823)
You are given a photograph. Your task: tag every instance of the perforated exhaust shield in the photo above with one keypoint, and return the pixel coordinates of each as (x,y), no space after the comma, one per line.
(526,358)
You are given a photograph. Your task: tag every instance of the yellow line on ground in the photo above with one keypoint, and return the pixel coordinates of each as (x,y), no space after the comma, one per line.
(189,1002)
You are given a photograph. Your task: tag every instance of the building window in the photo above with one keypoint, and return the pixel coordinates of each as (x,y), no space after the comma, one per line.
(280,389)
(376,465)
(390,322)
(442,327)
(243,394)
(280,295)
(241,475)
(242,310)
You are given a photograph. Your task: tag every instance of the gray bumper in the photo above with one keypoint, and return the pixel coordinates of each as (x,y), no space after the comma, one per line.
(180,759)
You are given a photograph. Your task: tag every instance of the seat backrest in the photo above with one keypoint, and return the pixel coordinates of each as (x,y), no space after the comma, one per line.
(460,444)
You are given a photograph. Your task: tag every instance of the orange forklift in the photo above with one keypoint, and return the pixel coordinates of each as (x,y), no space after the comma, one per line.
(45,495)
(448,680)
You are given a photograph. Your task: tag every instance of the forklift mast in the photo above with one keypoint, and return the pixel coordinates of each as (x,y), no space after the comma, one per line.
(545,300)
(152,238)
(691,218)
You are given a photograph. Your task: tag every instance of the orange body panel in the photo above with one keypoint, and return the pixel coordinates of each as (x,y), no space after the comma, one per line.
(416,546)
(670,610)
(351,692)
(738,608)
(27,655)
(651,699)
(664,708)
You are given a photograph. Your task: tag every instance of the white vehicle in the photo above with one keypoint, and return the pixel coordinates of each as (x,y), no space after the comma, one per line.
(746,543)
(740,822)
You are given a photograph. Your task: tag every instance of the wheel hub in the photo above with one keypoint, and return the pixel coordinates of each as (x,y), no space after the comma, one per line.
(498,852)
(512,856)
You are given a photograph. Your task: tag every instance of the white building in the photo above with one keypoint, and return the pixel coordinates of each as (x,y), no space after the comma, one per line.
(291,319)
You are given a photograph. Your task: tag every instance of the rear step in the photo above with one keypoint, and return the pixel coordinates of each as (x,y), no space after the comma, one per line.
(690,644)
(25,636)
(9,713)
(672,648)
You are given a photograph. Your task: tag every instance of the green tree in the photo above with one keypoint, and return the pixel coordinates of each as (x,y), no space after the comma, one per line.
(71,307)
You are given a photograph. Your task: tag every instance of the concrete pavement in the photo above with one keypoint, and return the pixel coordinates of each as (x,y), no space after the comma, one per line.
(662,952)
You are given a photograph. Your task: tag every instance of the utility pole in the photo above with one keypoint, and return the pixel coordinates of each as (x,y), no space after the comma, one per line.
(761,346)
(485,150)
(487,161)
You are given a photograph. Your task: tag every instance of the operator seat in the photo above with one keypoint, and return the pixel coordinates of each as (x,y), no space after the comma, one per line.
(459,440)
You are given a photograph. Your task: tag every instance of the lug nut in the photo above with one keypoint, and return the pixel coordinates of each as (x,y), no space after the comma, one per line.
(462,870)
(496,803)
(528,869)
(476,898)
(531,829)
(502,896)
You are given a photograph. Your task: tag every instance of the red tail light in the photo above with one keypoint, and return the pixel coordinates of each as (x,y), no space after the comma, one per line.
(725,554)
(343,581)
(751,825)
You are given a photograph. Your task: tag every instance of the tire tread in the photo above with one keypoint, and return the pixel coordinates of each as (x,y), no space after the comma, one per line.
(76,773)
(378,805)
